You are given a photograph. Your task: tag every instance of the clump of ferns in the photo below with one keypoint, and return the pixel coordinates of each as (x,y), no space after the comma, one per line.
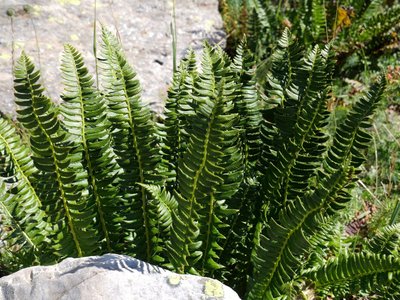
(229,184)
(360,31)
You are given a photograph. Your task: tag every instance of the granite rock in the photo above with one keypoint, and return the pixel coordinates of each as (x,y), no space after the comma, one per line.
(110,276)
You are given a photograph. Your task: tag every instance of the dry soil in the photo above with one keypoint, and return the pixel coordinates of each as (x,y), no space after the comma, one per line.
(41,27)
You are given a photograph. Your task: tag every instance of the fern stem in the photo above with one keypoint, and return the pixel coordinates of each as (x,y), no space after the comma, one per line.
(144,205)
(376,159)
(278,10)
(111,5)
(11,13)
(95,43)
(335,25)
(396,213)
(326,22)
(209,229)
(92,179)
(174,37)
(360,182)
(26,8)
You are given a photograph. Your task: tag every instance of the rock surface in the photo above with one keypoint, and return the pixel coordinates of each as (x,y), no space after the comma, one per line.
(110,276)
(41,27)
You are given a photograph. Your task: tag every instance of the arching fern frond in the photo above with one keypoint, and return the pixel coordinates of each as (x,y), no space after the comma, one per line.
(358,272)
(84,117)
(135,142)
(50,149)
(209,169)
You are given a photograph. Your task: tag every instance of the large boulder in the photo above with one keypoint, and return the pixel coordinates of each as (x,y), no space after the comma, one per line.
(109,276)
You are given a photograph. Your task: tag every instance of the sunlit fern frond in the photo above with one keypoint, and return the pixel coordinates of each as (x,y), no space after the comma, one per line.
(134,140)
(56,183)
(85,119)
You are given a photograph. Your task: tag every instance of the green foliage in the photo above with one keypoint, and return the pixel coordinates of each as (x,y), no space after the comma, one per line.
(234,15)
(368,272)
(359,31)
(236,182)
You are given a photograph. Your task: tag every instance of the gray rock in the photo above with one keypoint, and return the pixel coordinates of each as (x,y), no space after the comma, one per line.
(109,276)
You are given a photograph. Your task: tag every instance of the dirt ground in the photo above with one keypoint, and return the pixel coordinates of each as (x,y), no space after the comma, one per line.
(41,27)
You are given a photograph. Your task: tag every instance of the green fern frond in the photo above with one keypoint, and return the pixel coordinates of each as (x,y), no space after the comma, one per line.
(84,117)
(309,21)
(351,137)
(358,271)
(237,245)
(19,203)
(284,61)
(386,241)
(161,208)
(281,244)
(247,104)
(50,149)
(261,21)
(319,26)
(298,151)
(210,161)
(178,108)
(135,142)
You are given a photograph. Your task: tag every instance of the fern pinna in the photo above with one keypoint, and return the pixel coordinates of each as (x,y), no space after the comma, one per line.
(236,181)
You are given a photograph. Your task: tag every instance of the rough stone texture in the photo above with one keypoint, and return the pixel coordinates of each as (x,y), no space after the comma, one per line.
(110,276)
(143,26)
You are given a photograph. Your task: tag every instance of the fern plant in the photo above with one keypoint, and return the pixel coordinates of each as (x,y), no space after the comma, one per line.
(231,183)
(360,31)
